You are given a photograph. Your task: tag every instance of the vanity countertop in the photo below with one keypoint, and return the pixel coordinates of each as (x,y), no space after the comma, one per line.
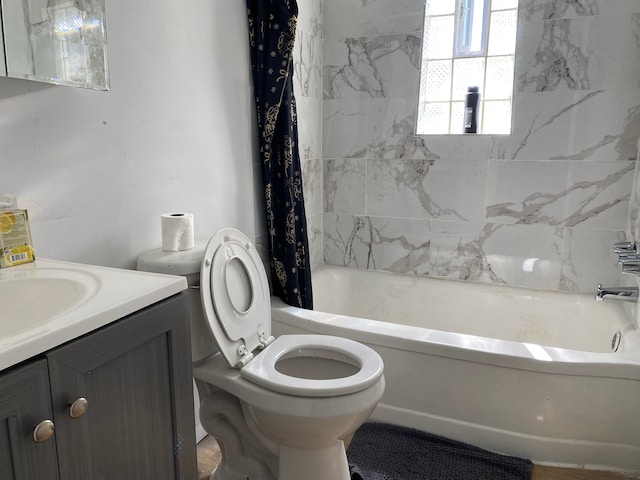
(48,302)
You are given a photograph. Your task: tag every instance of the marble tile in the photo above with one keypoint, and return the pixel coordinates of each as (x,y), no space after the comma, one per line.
(553,55)
(355,18)
(459,147)
(634,204)
(393,124)
(307,63)
(344,183)
(430,247)
(312,186)
(345,129)
(372,67)
(600,188)
(525,255)
(309,127)
(310,17)
(557,190)
(560,125)
(442,189)
(532,256)
(585,53)
(422,247)
(346,240)
(521,255)
(615,50)
(348,72)
(526,192)
(615,47)
(553,9)
(262,247)
(588,259)
(314,239)
(564,193)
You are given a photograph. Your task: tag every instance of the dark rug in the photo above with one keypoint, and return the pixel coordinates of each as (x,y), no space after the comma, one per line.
(386,452)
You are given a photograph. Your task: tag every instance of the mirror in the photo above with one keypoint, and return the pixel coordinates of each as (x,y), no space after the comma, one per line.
(55,41)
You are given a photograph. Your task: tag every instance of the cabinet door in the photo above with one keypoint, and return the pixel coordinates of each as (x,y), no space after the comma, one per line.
(24,403)
(136,377)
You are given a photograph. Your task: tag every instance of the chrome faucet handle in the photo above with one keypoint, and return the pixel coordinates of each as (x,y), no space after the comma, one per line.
(624,294)
(628,258)
(625,247)
(631,268)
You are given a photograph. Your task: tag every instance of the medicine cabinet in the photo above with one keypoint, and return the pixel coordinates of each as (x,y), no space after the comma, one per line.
(55,41)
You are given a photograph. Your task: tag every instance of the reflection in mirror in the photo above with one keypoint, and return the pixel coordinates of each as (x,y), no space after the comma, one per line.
(56,41)
(468,59)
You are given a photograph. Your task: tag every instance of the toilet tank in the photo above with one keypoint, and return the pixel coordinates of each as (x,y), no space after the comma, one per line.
(186,263)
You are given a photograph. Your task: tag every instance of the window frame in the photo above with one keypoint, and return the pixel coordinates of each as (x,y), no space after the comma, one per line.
(461,17)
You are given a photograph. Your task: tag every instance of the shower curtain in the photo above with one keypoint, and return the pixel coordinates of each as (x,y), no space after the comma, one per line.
(272,28)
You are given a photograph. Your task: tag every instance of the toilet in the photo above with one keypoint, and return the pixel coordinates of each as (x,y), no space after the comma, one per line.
(281,407)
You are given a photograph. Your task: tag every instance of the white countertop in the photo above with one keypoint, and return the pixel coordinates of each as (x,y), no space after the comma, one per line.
(47,303)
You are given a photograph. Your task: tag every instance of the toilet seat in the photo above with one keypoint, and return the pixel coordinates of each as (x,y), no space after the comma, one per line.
(262,370)
(237,306)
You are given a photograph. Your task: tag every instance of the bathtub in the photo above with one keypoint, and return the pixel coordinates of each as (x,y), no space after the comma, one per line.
(554,377)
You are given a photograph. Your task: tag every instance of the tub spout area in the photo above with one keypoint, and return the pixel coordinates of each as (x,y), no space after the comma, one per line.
(624,294)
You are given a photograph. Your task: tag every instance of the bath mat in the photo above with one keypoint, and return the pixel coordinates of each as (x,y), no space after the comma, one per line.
(386,452)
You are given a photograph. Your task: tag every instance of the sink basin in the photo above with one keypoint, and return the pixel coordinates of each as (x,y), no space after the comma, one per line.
(47,303)
(41,296)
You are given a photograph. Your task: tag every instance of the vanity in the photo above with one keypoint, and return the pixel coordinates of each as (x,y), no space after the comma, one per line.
(95,374)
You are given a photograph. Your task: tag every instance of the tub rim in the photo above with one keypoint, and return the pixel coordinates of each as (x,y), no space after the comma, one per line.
(532,357)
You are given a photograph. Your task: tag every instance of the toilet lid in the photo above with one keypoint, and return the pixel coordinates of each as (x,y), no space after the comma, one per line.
(235,296)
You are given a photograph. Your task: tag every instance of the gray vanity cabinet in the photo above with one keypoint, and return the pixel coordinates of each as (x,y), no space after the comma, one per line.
(24,403)
(137,422)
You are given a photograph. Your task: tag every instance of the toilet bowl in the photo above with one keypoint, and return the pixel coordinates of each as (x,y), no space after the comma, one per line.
(265,434)
(279,407)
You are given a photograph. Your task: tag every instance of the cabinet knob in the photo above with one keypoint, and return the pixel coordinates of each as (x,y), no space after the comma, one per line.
(78,408)
(43,431)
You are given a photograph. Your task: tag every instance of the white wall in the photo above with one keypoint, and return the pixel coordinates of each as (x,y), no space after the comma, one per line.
(175,133)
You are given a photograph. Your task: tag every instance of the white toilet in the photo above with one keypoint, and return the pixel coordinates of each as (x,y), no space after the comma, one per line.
(279,407)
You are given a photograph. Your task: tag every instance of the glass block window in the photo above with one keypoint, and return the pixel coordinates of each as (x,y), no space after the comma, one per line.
(467,43)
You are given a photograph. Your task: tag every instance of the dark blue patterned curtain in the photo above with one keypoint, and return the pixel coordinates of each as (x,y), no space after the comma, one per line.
(272,28)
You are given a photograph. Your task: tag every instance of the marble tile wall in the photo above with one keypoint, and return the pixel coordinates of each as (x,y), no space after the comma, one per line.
(538,208)
(634,207)
(307,78)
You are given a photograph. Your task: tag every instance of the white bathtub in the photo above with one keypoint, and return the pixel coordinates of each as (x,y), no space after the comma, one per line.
(517,371)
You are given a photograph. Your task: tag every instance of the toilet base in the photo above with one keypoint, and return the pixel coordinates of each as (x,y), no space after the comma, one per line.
(262,440)
(313,464)
(243,457)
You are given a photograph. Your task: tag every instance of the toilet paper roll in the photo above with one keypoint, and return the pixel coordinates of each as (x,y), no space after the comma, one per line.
(177,231)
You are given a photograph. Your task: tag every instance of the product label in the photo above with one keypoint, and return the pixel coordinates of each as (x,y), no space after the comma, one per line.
(468,117)
(15,238)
